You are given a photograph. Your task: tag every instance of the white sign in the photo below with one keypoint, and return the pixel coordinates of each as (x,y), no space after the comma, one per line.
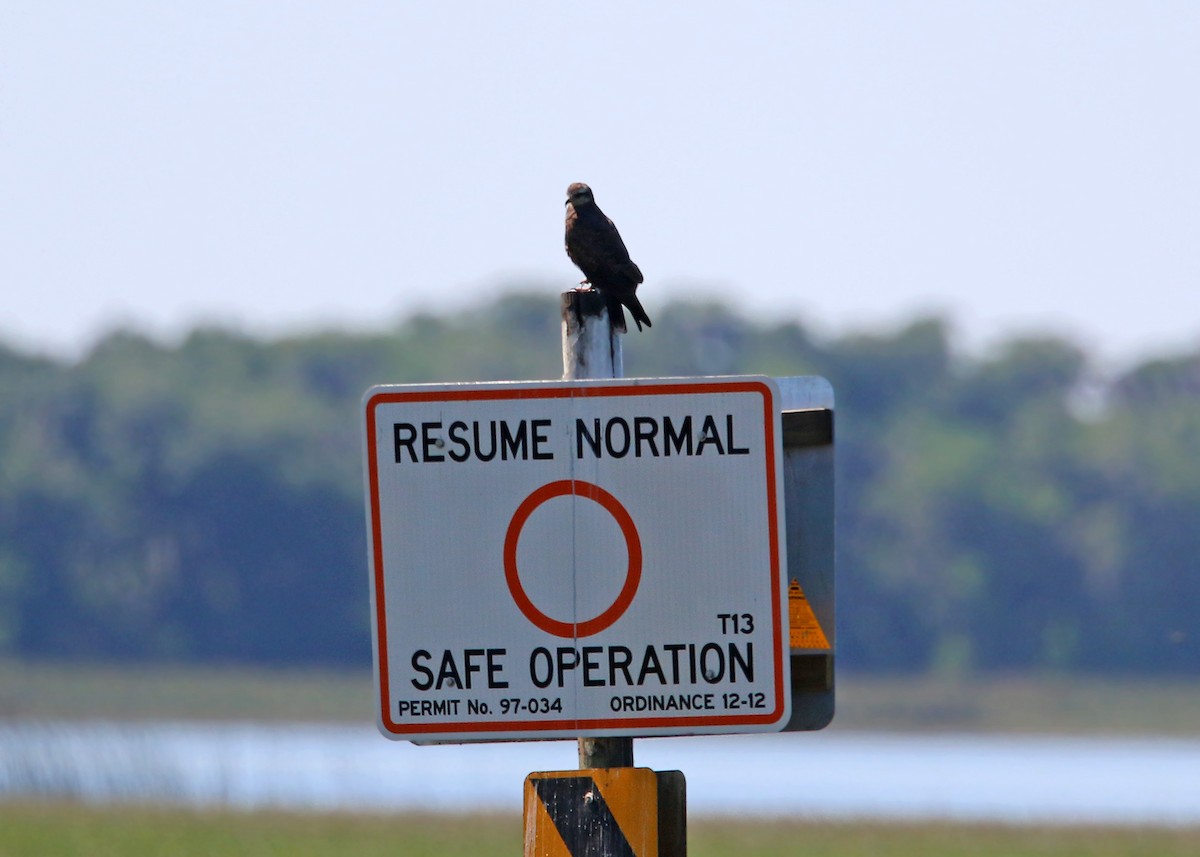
(577,558)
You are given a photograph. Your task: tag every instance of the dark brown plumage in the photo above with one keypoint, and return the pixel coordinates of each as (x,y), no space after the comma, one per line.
(594,244)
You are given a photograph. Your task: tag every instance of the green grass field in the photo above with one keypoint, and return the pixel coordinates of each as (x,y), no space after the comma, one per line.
(66,830)
(1052,705)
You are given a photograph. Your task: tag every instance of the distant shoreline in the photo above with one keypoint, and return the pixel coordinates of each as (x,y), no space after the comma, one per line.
(1063,705)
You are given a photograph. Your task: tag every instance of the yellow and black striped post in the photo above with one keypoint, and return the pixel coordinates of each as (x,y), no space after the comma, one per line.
(605,812)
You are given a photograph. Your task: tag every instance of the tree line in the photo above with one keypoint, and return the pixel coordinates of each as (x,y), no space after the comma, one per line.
(202,500)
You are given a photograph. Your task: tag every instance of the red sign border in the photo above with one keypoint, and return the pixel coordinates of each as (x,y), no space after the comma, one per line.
(557,390)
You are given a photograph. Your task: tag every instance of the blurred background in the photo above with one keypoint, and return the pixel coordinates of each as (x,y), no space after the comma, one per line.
(224,221)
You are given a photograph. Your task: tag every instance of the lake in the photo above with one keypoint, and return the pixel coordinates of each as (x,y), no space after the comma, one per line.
(833,774)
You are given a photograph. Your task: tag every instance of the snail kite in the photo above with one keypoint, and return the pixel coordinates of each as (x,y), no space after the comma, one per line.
(594,245)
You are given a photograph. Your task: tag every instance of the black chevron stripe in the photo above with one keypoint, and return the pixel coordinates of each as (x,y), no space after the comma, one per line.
(582,817)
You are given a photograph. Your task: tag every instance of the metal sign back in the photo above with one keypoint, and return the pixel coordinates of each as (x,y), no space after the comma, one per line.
(808,478)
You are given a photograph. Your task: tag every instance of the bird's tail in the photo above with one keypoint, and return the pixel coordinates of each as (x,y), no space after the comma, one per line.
(616,315)
(639,314)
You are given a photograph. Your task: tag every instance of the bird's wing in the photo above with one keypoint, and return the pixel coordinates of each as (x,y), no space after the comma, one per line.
(632,271)
(616,256)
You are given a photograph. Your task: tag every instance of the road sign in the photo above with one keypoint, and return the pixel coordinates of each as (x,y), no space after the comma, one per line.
(570,559)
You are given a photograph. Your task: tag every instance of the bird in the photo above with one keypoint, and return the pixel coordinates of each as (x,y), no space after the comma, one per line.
(596,248)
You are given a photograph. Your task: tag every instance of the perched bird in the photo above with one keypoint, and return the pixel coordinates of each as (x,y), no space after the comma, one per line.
(594,244)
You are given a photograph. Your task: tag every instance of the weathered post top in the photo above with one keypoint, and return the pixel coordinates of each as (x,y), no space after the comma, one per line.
(591,348)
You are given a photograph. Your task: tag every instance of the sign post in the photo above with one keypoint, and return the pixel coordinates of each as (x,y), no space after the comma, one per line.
(592,349)
(601,558)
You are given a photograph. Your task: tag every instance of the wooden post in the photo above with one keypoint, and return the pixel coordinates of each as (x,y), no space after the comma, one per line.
(592,349)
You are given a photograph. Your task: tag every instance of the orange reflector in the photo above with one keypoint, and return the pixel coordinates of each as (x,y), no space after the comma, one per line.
(806,631)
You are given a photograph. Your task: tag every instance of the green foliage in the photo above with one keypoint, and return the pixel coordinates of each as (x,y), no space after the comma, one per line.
(203,501)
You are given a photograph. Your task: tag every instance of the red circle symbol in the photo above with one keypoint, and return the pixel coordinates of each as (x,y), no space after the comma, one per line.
(633,574)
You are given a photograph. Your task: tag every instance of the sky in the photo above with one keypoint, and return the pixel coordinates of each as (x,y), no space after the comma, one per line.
(284,167)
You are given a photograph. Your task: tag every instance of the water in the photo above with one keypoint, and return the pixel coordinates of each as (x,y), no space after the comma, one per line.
(1011,779)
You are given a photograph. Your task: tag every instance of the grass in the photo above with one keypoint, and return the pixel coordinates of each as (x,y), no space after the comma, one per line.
(748,839)
(1064,705)
(1050,705)
(66,830)
(73,691)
